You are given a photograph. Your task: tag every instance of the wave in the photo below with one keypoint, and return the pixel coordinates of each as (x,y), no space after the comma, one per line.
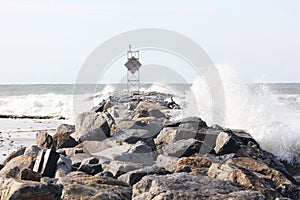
(37,105)
(271,118)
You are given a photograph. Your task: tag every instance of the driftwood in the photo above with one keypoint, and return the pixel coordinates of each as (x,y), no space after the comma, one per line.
(30,117)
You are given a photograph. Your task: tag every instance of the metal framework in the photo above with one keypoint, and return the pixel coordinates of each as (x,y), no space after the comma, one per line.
(133,73)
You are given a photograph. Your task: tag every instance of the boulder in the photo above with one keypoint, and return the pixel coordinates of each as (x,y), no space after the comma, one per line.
(197,165)
(44,140)
(13,189)
(182,148)
(13,168)
(65,129)
(78,185)
(94,146)
(15,153)
(135,176)
(90,166)
(63,167)
(167,162)
(153,128)
(153,112)
(117,168)
(180,186)
(32,151)
(64,141)
(91,126)
(132,136)
(27,174)
(226,143)
(46,162)
(259,167)
(191,123)
(241,177)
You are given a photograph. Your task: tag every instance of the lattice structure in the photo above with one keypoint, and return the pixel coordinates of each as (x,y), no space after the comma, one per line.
(133,73)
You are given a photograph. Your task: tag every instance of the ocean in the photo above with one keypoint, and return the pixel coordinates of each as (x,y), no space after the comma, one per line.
(270,112)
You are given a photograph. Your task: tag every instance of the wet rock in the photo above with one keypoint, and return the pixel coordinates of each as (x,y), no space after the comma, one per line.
(90,166)
(289,191)
(91,126)
(83,186)
(15,190)
(182,148)
(180,186)
(65,129)
(15,153)
(44,140)
(64,141)
(13,168)
(135,176)
(226,143)
(168,162)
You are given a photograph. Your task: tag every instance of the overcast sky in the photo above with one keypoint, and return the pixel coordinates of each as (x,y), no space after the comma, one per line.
(48,41)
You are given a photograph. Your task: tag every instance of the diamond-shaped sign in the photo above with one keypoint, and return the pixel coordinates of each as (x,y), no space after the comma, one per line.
(133,65)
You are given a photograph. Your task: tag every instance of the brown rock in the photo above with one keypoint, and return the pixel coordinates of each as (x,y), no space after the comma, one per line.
(64,141)
(27,174)
(82,186)
(44,140)
(256,166)
(14,167)
(193,164)
(241,177)
(13,189)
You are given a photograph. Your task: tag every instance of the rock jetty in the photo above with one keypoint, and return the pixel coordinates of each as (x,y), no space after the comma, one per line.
(131,147)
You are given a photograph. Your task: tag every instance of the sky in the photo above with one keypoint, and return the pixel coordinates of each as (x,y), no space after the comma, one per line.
(48,41)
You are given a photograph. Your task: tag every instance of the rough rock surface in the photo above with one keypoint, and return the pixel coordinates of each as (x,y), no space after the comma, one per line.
(130,147)
(181,186)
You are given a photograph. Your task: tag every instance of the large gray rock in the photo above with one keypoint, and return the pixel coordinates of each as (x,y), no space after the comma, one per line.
(182,186)
(192,123)
(182,148)
(91,126)
(95,146)
(168,162)
(13,189)
(78,185)
(135,176)
(117,168)
(64,166)
(132,136)
(90,166)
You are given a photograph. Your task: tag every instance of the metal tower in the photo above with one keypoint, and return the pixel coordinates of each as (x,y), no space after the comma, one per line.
(133,73)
